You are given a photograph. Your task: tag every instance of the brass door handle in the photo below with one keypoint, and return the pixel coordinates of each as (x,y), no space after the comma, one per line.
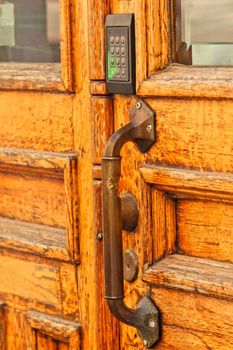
(141,131)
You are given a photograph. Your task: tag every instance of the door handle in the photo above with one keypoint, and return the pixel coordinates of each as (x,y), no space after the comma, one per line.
(141,131)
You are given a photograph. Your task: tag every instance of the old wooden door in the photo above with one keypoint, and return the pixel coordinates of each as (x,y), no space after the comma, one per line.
(183,185)
(45,177)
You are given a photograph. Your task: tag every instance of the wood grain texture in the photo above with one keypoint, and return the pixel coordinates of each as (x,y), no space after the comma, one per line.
(192,274)
(190,183)
(205,321)
(194,134)
(18,192)
(98,11)
(31,76)
(33,238)
(82,145)
(43,342)
(98,87)
(69,291)
(181,81)
(55,327)
(51,161)
(66,44)
(163,217)
(51,178)
(205,229)
(17,330)
(36,121)
(102,125)
(31,281)
(158,54)
(72,207)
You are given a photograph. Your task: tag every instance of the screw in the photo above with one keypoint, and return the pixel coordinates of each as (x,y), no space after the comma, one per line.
(152,323)
(138,105)
(100,236)
(149,128)
(145,342)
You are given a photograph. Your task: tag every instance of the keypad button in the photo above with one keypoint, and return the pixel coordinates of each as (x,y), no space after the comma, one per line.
(112,50)
(118,61)
(122,51)
(118,72)
(117,50)
(123,62)
(123,72)
(122,40)
(112,62)
(112,40)
(117,40)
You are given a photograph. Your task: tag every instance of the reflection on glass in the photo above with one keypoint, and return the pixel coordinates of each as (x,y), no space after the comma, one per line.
(29,31)
(206,31)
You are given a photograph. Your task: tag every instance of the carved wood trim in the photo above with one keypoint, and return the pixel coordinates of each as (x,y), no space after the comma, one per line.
(52,164)
(191,274)
(184,183)
(56,328)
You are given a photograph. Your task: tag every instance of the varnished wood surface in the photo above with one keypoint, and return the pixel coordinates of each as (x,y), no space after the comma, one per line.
(33,238)
(190,183)
(192,187)
(205,229)
(193,320)
(37,121)
(192,274)
(31,76)
(183,81)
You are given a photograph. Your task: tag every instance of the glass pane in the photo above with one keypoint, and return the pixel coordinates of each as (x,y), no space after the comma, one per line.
(204,32)
(29,31)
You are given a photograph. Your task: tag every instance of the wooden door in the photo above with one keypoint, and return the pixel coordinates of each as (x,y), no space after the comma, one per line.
(183,186)
(45,189)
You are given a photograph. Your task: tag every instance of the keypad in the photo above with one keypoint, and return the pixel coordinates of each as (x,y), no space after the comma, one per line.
(118,50)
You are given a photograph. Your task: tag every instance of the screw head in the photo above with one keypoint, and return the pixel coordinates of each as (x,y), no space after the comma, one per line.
(152,323)
(100,236)
(138,105)
(149,128)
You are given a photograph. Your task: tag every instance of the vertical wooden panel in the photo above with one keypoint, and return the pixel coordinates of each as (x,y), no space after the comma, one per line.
(102,122)
(71,191)
(159,223)
(107,326)
(98,11)
(16,330)
(65,43)
(44,342)
(157,35)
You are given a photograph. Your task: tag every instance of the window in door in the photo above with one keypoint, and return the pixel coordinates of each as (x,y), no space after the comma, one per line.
(29,31)
(203,32)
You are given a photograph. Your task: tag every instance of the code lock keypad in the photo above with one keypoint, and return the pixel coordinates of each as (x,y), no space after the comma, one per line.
(118,52)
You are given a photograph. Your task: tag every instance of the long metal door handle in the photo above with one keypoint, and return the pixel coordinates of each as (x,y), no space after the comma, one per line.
(141,131)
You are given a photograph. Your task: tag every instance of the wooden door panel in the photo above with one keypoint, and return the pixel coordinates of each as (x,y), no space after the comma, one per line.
(36,121)
(51,179)
(45,241)
(203,234)
(193,133)
(205,321)
(30,280)
(49,332)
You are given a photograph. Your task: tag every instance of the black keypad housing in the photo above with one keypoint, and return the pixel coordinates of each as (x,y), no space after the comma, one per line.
(120,53)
